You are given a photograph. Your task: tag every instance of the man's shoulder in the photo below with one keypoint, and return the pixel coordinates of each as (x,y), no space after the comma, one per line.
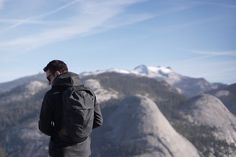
(52,97)
(52,92)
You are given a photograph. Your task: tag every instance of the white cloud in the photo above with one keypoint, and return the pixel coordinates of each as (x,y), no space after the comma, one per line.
(202,64)
(124,21)
(93,14)
(1,3)
(215,53)
(215,71)
(203,56)
(188,24)
(219,3)
(13,22)
(34,19)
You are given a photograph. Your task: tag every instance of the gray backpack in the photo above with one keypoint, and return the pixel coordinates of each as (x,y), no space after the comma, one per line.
(77,114)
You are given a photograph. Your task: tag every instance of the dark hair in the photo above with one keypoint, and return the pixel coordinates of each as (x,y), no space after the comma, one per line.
(56,65)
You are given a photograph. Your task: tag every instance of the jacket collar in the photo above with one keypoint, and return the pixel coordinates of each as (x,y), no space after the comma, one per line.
(67,79)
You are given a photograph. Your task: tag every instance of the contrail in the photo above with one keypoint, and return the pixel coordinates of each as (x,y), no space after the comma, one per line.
(23,21)
(86,24)
(215,53)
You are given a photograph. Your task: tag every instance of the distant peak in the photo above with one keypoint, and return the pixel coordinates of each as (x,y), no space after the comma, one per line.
(141,69)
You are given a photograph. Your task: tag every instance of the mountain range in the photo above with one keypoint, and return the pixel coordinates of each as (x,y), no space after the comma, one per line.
(150,111)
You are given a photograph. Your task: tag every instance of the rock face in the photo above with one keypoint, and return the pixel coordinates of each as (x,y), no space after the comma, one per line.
(138,128)
(207,110)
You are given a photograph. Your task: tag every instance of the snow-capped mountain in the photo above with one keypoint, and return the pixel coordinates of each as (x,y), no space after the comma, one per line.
(159,72)
(185,85)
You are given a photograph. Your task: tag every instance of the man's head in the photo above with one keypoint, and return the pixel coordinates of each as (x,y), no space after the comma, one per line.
(55,68)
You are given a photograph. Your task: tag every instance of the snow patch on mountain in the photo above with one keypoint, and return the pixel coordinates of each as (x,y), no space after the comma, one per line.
(26,91)
(153,71)
(97,72)
(35,86)
(101,93)
(222,93)
(7,86)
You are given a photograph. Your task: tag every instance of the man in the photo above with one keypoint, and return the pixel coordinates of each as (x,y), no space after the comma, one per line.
(54,118)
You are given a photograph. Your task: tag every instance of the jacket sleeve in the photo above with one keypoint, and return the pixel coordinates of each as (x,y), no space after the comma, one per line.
(98,120)
(45,120)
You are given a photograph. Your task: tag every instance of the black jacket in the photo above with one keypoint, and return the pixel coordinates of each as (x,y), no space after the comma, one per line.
(51,115)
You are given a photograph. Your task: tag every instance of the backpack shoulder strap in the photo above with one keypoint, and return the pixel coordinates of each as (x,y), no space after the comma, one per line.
(86,89)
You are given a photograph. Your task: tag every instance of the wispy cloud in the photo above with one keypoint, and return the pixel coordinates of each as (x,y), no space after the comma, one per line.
(129,19)
(35,19)
(188,24)
(201,57)
(214,70)
(219,3)
(181,6)
(215,53)
(93,14)
(1,3)
(27,22)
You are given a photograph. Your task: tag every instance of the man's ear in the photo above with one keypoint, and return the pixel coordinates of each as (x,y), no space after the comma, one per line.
(57,73)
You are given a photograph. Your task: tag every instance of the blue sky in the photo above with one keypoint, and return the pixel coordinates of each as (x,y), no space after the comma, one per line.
(195,37)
